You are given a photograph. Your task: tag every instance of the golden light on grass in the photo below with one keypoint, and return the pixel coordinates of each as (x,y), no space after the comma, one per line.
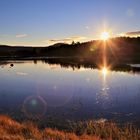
(12,130)
(105,35)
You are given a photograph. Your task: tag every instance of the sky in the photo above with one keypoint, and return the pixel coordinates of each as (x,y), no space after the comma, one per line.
(45,22)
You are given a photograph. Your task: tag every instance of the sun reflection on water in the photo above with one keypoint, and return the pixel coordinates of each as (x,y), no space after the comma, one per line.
(103,94)
(104,72)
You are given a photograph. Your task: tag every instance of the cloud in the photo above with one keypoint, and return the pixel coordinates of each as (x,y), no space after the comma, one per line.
(136,33)
(131,34)
(22,73)
(65,40)
(21,35)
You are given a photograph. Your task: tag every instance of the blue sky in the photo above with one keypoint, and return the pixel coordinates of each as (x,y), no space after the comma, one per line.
(44,22)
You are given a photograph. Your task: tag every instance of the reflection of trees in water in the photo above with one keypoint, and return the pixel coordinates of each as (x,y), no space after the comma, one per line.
(78,63)
(70,63)
(4,63)
(74,63)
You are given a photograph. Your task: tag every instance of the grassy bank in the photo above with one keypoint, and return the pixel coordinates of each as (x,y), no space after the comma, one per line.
(12,130)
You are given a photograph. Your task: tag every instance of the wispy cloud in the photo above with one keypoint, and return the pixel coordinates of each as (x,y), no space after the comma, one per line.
(136,33)
(21,35)
(66,40)
(131,34)
(22,73)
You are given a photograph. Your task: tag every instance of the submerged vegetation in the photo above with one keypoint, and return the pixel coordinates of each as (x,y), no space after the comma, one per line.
(91,130)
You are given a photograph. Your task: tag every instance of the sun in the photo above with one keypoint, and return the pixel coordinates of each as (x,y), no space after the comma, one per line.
(105,36)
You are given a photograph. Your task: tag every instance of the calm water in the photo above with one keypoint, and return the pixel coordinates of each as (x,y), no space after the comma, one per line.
(40,90)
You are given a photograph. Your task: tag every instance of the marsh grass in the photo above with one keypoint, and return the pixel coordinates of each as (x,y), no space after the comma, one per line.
(91,130)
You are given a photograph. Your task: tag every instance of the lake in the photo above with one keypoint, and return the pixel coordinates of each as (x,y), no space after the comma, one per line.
(44,91)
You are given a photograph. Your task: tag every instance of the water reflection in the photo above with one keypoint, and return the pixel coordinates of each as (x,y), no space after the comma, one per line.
(104,73)
(56,90)
(73,64)
(105,88)
(103,95)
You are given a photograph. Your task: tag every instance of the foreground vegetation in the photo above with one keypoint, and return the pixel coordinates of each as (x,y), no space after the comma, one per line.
(91,130)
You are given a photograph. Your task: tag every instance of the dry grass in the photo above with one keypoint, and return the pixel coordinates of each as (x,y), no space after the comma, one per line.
(12,130)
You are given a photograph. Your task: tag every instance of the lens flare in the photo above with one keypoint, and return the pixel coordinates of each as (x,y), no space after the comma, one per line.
(34,107)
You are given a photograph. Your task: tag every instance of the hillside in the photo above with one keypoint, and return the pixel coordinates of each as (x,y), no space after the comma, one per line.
(124,49)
